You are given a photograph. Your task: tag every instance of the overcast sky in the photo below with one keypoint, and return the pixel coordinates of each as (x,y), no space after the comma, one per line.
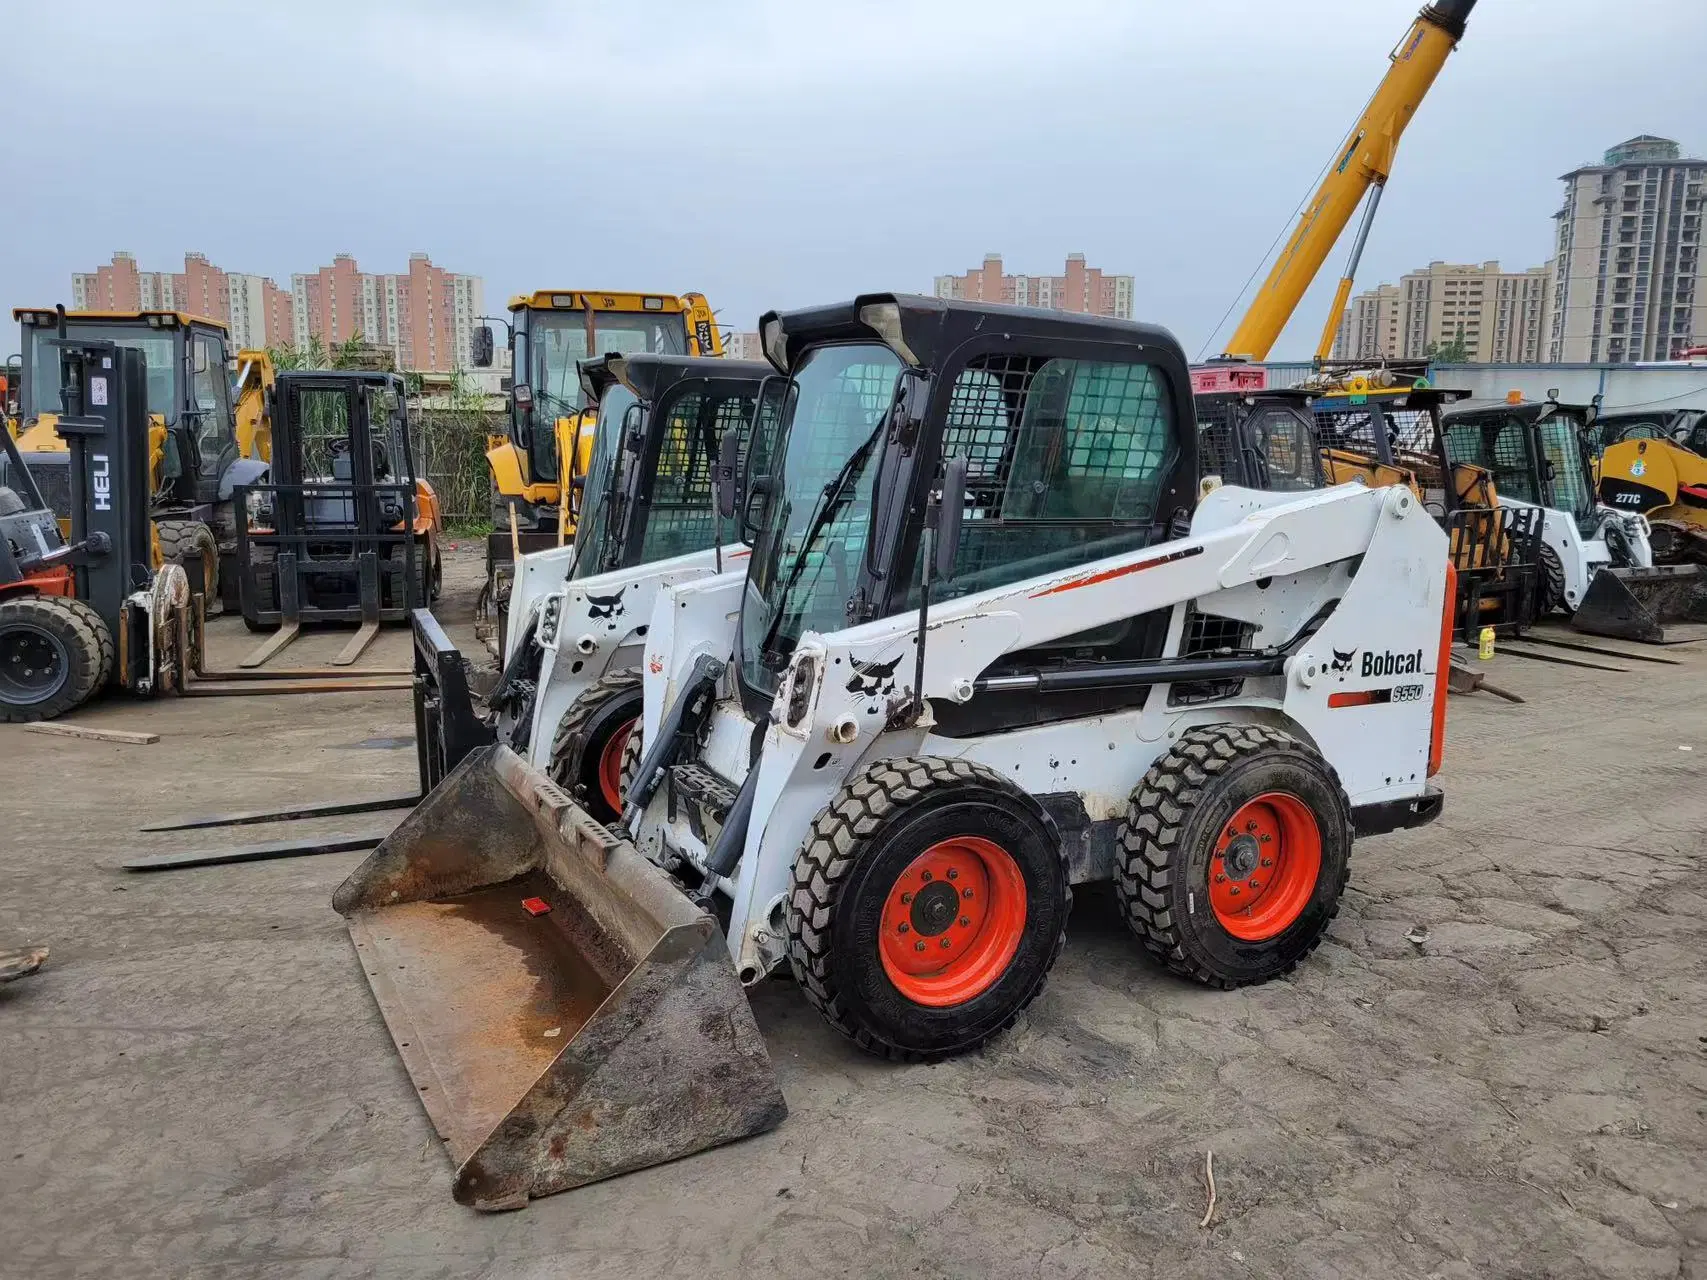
(781,153)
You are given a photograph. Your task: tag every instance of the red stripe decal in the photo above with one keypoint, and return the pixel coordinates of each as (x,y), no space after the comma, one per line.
(1110,574)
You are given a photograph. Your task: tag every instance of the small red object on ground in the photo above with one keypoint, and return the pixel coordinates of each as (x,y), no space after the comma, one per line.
(535,906)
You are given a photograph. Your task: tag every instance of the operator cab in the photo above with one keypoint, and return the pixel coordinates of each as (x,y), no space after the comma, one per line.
(551,333)
(1257,440)
(1073,431)
(661,424)
(1535,450)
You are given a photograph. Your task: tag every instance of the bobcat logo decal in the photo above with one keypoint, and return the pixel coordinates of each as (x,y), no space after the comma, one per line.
(873,678)
(606,606)
(1342,661)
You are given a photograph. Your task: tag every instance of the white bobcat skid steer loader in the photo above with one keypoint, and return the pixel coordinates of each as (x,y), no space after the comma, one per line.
(1597,563)
(984,652)
(577,612)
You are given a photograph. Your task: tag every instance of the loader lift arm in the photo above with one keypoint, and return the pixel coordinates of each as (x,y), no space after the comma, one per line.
(1360,169)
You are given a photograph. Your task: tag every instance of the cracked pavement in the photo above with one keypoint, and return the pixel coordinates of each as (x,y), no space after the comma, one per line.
(1496,1065)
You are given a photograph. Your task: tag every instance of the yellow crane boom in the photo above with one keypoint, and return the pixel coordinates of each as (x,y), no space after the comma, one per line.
(1360,169)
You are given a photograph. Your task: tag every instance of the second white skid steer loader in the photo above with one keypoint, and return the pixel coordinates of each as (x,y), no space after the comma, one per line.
(986,650)
(570,686)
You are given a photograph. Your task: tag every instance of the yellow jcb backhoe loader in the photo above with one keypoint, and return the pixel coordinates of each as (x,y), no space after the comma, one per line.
(536,465)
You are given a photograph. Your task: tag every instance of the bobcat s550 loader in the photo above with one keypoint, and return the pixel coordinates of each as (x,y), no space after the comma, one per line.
(986,649)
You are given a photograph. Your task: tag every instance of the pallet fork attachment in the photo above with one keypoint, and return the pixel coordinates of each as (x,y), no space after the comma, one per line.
(567,1014)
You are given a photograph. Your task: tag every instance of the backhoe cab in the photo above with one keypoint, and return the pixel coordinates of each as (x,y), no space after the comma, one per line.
(990,645)
(537,468)
(194,456)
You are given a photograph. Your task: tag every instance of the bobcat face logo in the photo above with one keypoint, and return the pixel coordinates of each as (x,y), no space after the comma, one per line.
(1342,661)
(606,606)
(873,678)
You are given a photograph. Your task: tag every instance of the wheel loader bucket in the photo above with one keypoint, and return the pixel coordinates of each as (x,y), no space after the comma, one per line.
(1663,605)
(565,1012)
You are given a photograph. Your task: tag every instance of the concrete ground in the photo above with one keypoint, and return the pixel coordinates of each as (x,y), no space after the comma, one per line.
(1495,1066)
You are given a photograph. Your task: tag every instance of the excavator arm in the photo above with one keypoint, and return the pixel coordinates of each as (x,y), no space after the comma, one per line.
(1360,169)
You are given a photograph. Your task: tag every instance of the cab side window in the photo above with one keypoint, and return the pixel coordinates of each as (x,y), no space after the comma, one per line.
(1066,463)
(211,389)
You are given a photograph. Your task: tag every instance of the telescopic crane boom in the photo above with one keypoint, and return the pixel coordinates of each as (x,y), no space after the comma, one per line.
(1359,170)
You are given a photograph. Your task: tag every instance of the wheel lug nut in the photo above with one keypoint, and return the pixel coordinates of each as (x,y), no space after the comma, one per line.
(1234,891)
(906,898)
(1266,839)
(966,893)
(1268,862)
(1220,878)
(918,946)
(945,942)
(924,875)
(1251,826)
(903,927)
(1255,885)
(965,922)
(953,873)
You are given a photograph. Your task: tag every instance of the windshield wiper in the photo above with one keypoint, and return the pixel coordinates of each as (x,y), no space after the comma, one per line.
(829,500)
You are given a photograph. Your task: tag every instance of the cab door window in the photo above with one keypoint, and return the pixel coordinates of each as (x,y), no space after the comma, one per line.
(1066,461)
(211,392)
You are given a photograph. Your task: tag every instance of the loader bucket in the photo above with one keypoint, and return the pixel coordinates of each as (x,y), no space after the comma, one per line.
(1663,605)
(565,1012)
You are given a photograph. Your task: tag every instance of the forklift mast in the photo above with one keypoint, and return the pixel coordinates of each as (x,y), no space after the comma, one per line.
(103,419)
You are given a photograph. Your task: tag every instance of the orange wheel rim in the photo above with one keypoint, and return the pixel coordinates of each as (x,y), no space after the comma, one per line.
(610,764)
(952,921)
(1267,860)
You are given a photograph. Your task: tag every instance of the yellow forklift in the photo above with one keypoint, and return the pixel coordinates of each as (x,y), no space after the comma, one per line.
(538,463)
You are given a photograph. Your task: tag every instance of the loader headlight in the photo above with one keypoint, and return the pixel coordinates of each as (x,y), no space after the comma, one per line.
(884,319)
(775,342)
(548,622)
(801,682)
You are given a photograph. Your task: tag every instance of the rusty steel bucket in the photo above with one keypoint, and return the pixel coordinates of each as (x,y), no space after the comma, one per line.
(1663,605)
(565,1012)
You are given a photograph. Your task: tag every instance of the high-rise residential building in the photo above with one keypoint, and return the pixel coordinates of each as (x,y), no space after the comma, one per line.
(425,316)
(119,286)
(1494,316)
(257,310)
(1369,330)
(1629,281)
(743,344)
(1080,288)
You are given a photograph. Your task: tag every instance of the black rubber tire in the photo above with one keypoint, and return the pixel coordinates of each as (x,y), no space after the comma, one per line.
(438,579)
(183,542)
(877,824)
(1551,586)
(83,641)
(615,700)
(632,751)
(266,590)
(1163,850)
(423,574)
